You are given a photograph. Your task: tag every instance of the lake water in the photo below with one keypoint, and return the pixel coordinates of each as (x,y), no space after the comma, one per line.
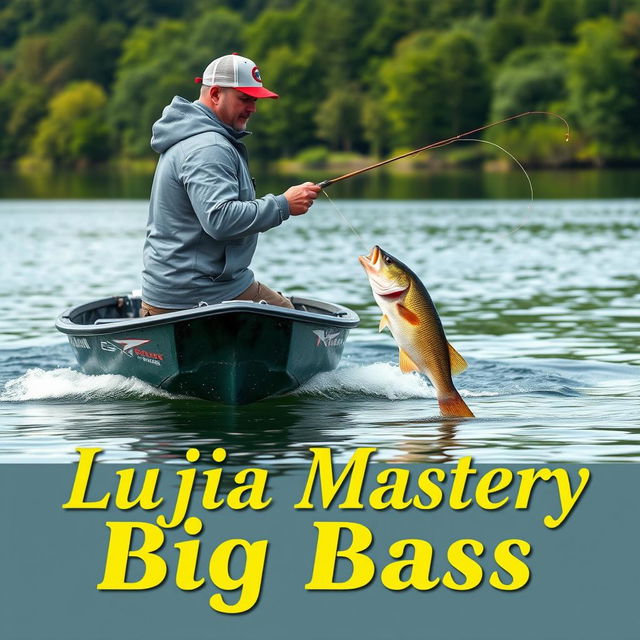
(543,302)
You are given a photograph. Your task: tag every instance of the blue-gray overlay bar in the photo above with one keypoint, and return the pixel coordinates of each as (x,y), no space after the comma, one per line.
(583,579)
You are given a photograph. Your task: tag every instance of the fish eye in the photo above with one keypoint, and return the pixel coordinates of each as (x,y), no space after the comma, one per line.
(388,260)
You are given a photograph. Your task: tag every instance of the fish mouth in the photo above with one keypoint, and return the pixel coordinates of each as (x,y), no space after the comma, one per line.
(387,290)
(391,293)
(379,284)
(369,262)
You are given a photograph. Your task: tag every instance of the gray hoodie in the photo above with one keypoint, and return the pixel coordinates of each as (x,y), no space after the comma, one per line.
(204,217)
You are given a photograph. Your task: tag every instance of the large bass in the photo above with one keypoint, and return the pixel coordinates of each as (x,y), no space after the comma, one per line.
(411,316)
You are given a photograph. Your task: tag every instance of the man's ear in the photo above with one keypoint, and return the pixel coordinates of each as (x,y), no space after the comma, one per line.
(214,94)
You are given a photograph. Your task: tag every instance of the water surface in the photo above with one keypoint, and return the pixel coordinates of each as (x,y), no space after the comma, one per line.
(542,302)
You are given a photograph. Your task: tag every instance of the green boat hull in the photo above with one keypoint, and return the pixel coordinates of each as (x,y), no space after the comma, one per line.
(235,352)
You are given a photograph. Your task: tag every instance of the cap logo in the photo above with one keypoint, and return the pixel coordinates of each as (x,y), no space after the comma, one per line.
(255,72)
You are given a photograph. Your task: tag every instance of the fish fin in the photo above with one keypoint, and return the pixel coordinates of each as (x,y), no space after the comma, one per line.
(408,315)
(458,363)
(407,365)
(453,406)
(384,322)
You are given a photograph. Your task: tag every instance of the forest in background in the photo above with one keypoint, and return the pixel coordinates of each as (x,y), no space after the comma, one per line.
(81,82)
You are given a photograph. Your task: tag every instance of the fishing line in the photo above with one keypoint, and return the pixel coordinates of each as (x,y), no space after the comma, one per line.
(333,204)
(526,175)
(443,143)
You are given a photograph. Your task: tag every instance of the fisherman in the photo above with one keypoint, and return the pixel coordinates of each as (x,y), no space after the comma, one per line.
(204,217)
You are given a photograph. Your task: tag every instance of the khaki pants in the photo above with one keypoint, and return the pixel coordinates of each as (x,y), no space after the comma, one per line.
(255,293)
(258,292)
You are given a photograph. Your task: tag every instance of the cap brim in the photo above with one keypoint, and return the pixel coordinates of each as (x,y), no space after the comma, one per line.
(257,92)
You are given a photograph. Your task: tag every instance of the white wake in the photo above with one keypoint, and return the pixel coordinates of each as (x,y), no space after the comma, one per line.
(55,384)
(381,380)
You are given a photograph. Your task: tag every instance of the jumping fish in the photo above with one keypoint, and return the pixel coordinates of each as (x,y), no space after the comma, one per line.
(411,316)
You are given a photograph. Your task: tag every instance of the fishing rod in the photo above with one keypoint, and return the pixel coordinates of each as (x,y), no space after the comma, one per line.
(442,143)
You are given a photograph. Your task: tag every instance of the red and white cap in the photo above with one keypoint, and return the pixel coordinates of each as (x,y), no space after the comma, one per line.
(237,72)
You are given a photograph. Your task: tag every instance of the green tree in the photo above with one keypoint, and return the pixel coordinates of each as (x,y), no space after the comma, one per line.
(44,16)
(273,27)
(23,95)
(531,79)
(82,49)
(216,33)
(29,106)
(425,68)
(151,70)
(603,97)
(32,59)
(587,9)
(160,62)
(339,116)
(375,124)
(630,29)
(149,11)
(74,131)
(508,33)
(21,107)
(511,7)
(394,21)
(286,125)
(338,31)
(437,90)
(449,12)
(558,19)
(12,15)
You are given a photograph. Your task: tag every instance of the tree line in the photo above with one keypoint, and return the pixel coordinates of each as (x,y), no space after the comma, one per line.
(82,82)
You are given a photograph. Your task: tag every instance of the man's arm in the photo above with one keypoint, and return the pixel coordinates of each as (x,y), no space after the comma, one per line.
(210,178)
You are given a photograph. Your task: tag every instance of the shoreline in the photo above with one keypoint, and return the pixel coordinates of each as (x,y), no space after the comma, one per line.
(339,164)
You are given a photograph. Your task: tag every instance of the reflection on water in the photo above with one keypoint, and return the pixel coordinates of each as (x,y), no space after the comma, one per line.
(451,184)
(547,317)
(535,412)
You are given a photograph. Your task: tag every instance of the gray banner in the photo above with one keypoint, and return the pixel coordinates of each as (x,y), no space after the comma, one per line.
(583,581)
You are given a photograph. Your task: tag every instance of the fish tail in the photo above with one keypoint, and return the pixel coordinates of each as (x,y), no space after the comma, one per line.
(453,406)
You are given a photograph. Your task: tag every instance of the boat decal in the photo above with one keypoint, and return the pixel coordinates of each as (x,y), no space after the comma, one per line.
(130,343)
(108,346)
(148,356)
(329,338)
(79,343)
(130,347)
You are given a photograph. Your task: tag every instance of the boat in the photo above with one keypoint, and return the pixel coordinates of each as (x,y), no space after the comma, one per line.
(235,352)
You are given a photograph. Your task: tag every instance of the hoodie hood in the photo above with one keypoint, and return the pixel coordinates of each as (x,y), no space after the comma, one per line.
(183,119)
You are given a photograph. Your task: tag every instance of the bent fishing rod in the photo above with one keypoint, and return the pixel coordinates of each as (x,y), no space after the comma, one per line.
(442,143)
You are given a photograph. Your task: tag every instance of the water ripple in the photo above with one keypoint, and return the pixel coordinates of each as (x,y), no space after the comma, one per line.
(547,317)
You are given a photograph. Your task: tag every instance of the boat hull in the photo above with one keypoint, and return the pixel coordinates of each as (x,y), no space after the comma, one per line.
(236,353)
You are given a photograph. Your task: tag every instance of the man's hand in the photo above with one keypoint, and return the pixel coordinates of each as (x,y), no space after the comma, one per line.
(301,197)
